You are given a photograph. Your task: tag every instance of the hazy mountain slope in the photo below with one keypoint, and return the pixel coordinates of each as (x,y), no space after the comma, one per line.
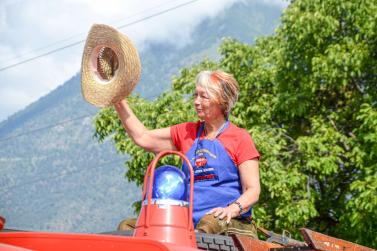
(57,177)
(60,178)
(244,21)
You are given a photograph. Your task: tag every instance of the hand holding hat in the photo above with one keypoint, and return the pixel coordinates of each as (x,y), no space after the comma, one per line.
(110,67)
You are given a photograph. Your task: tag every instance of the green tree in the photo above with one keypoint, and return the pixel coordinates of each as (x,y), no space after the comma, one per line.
(308,97)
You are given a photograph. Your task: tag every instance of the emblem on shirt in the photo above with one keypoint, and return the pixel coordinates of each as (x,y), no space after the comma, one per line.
(200,162)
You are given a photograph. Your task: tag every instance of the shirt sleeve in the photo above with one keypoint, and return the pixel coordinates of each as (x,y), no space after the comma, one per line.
(246,149)
(174,134)
(183,135)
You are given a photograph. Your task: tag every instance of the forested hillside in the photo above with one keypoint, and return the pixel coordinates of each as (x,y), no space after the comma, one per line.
(55,176)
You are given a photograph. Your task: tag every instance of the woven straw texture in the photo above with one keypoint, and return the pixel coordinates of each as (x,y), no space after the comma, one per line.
(110,67)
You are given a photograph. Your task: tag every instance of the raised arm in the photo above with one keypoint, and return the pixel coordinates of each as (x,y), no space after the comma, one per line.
(150,140)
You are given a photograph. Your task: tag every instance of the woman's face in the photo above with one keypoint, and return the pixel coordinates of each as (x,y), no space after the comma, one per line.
(205,107)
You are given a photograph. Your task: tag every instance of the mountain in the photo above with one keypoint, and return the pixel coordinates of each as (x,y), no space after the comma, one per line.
(54,176)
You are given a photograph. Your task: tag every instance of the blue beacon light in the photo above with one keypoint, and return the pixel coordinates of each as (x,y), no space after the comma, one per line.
(170,186)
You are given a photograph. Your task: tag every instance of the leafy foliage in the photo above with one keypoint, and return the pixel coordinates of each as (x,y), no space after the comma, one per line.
(308,98)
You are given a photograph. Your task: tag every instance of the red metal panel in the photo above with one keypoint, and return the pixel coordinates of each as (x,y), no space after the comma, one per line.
(327,243)
(167,224)
(2,222)
(246,243)
(83,242)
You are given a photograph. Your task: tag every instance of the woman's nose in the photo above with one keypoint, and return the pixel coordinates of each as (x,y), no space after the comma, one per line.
(197,100)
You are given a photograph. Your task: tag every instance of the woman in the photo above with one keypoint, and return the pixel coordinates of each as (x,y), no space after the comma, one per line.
(224,157)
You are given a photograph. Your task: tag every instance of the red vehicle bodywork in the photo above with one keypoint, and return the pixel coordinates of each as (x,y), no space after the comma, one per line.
(163,228)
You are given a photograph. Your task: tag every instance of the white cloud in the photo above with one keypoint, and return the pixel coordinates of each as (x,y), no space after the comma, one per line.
(280,3)
(26,26)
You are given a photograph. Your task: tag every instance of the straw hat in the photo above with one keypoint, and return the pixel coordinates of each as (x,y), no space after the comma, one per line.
(110,67)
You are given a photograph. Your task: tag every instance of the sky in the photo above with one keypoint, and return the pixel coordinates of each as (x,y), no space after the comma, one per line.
(31,28)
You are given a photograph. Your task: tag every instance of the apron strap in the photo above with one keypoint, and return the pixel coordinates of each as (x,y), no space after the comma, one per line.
(223,128)
(201,128)
(219,132)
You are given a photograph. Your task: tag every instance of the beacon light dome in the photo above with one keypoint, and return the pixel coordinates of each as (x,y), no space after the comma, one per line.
(170,186)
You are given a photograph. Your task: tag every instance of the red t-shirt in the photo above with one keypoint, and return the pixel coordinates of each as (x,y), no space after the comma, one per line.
(237,142)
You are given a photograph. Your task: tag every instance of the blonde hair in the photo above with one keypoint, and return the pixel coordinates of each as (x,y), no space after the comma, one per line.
(221,87)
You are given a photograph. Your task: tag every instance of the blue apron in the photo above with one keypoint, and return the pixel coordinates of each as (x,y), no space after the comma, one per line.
(216,178)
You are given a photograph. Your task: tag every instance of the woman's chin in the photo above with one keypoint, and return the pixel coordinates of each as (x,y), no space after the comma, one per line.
(200,115)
